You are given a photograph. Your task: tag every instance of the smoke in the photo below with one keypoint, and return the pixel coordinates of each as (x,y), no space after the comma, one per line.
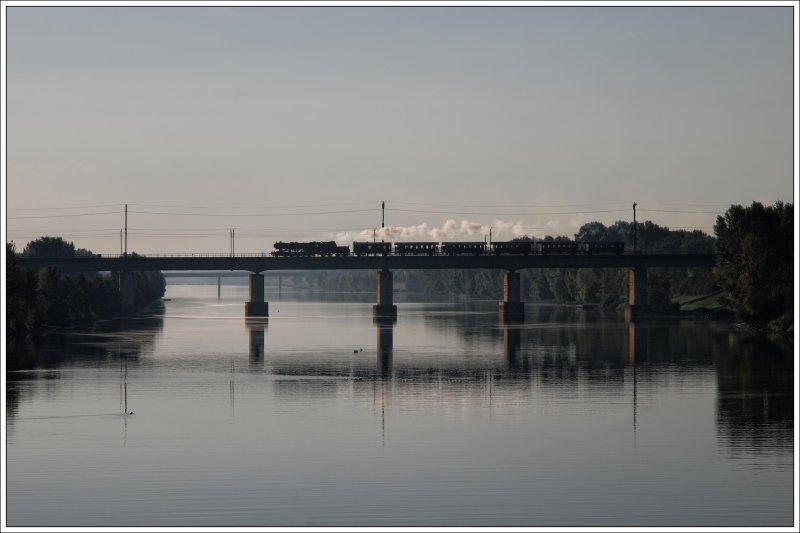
(451,230)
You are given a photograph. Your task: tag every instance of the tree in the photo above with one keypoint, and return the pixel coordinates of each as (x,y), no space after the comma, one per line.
(755,264)
(49,247)
(20,295)
(53,299)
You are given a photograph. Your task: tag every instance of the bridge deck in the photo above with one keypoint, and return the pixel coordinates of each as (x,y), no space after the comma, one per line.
(257,263)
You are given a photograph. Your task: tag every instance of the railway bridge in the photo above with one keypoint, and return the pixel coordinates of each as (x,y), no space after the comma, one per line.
(511,307)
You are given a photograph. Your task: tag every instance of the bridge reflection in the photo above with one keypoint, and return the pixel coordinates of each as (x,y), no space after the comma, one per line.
(385,347)
(256,328)
(553,352)
(384,329)
(530,351)
(535,359)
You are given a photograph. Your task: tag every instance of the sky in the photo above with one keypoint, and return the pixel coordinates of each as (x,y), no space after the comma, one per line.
(295,123)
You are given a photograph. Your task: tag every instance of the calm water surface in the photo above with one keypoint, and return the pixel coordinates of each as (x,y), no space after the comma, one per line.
(319,417)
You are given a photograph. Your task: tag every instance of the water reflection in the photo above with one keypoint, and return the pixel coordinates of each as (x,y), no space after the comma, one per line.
(37,362)
(569,352)
(560,419)
(755,400)
(385,346)
(555,351)
(511,348)
(256,328)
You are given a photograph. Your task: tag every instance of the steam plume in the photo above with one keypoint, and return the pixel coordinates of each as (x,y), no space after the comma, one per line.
(450,230)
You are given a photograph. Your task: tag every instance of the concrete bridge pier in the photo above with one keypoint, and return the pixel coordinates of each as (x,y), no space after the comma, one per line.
(385,308)
(256,306)
(637,293)
(512,308)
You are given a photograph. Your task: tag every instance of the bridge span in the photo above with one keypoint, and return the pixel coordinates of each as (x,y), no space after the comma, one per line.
(512,305)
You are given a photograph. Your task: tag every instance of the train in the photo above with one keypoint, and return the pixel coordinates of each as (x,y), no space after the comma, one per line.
(314,248)
(498,248)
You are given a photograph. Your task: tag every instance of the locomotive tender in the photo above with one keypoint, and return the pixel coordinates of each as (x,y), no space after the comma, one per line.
(331,249)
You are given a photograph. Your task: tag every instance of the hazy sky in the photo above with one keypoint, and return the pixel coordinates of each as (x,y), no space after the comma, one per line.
(294,123)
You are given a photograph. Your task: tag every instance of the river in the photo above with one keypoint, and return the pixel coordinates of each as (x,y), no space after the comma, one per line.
(194,417)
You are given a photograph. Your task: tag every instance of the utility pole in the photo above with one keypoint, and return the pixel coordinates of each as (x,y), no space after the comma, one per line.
(126,229)
(634,226)
(383,211)
(120,241)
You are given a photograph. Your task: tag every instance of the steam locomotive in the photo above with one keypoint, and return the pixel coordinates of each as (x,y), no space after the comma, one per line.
(366,248)
(314,248)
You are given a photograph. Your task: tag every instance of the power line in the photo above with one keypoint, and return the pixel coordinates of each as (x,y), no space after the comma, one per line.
(510,213)
(251,207)
(61,208)
(677,211)
(180,231)
(307,213)
(505,205)
(70,215)
(94,230)
(595,204)
(685,205)
(371,202)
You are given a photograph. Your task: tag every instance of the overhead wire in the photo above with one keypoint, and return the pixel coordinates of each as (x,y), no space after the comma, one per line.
(307,213)
(68,215)
(677,211)
(252,206)
(198,233)
(505,205)
(509,213)
(63,208)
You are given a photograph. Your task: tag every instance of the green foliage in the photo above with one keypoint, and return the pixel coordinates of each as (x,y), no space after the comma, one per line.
(480,284)
(755,267)
(48,298)
(20,295)
(49,247)
(608,287)
(147,285)
(658,290)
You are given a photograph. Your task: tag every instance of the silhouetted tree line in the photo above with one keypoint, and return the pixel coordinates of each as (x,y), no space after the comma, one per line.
(606,287)
(50,299)
(756,263)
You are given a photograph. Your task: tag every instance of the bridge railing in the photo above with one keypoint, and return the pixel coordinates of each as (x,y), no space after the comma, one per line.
(146,256)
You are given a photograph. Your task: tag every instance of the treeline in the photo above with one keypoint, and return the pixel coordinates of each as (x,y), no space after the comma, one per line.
(609,287)
(50,299)
(606,287)
(755,267)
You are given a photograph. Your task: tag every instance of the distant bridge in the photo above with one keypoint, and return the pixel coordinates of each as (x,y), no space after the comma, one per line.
(256,264)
